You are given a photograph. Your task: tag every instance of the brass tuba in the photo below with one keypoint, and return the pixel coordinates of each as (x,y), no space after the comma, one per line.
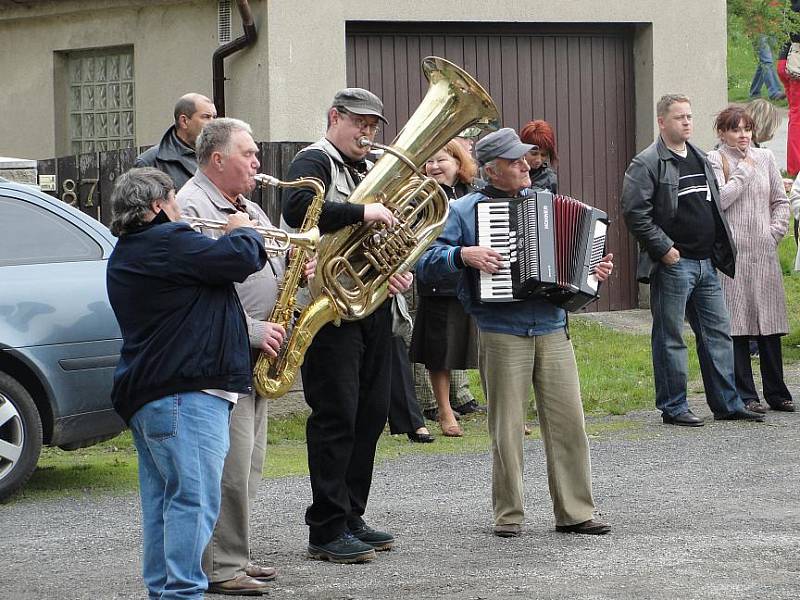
(354,263)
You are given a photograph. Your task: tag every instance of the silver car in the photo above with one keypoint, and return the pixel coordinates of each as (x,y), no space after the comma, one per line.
(59,340)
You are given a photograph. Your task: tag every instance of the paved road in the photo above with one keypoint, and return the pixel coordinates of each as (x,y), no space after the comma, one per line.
(697,513)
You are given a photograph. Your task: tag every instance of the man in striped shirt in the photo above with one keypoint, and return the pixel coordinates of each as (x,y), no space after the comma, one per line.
(670,202)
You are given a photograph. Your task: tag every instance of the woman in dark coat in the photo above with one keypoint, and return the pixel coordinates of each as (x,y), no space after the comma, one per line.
(444,335)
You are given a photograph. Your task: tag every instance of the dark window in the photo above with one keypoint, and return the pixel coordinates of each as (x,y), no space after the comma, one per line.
(30,234)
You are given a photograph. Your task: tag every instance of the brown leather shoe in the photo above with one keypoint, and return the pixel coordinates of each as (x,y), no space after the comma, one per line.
(259,572)
(243,585)
(507,530)
(590,527)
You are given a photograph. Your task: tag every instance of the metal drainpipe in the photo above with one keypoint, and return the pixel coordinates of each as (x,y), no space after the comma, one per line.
(218,59)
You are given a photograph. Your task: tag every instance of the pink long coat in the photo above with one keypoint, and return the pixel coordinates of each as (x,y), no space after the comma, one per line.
(756,207)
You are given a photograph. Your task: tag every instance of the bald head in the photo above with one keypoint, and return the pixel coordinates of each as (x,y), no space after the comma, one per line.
(192,112)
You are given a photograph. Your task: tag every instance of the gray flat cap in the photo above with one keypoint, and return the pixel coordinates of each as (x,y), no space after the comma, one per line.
(360,102)
(503,143)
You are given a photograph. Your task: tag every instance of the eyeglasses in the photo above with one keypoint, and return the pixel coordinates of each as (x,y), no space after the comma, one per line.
(360,123)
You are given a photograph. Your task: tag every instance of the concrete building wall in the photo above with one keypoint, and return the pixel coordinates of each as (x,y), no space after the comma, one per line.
(283,85)
(679,48)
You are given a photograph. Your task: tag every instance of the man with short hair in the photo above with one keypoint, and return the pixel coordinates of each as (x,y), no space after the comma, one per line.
(520,343)
(184,358)
(344,372)
(670,202)
(175,153)
(227,157)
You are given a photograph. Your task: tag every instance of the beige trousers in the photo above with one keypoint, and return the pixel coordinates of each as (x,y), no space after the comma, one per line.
(228,552)
(509,364)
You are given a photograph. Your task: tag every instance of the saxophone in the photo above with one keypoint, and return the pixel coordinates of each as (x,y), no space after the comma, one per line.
(274,376)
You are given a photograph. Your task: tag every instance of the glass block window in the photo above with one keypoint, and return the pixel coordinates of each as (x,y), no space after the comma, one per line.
(101,100)
(224,21)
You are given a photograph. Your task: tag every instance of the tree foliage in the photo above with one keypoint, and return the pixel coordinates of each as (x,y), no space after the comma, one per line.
(775,18)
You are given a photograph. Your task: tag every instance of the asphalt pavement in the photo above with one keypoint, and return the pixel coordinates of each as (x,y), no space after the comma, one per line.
(699,513)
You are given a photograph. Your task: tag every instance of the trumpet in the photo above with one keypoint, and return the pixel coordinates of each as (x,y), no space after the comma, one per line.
(276,241)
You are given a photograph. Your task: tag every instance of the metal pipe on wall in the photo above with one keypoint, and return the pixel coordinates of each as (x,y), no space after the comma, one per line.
(218,59)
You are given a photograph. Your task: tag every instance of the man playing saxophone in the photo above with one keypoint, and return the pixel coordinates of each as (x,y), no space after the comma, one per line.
(344,372)
(227,159)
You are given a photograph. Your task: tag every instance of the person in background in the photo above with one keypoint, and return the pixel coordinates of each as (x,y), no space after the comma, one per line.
(444,337)
(405,414)
(765,71)
(792,87)
(754,202)
(184,352)
(175,153)
(670,203)
(467,138)
(766,119)
(542,157)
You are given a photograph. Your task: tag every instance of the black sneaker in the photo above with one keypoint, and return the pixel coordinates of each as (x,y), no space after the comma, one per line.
(378,540)
(345,549)
(470,407)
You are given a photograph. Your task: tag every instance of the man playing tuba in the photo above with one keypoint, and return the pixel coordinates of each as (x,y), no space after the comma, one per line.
(344,372)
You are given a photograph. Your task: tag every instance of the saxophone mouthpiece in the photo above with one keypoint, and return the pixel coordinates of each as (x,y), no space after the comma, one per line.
(264,179)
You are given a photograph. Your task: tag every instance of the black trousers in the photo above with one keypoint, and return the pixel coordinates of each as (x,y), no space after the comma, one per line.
(346,381)
(771,362)
(405,415)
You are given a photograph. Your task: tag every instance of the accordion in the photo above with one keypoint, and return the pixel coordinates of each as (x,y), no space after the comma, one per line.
(550,246)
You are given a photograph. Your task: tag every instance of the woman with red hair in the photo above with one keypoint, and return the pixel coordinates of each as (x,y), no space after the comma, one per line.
(543,156)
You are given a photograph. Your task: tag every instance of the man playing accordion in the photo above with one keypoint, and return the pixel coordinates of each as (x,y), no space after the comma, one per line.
(521,343)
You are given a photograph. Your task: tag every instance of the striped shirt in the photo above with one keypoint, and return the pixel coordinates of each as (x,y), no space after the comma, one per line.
(695,224)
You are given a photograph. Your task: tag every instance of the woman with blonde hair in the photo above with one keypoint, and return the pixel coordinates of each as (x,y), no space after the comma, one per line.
(766,119)
(445,337)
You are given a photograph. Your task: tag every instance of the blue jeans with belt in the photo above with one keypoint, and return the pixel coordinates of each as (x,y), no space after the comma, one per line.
(181,442)
(691,289)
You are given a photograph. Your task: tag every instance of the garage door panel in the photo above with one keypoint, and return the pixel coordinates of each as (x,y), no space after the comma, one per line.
(580,79)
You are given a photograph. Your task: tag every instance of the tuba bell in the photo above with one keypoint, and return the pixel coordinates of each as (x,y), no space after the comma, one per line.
(354,264)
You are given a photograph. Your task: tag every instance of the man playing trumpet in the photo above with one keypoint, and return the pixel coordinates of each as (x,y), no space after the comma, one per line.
(227,159)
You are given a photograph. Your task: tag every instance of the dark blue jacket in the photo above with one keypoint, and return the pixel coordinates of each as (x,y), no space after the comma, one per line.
(183,328)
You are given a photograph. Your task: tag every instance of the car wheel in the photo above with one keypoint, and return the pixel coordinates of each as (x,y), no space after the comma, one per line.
(20,435)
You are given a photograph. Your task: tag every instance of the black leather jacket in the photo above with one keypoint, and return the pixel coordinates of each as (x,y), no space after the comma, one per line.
(650,198)
(171,156)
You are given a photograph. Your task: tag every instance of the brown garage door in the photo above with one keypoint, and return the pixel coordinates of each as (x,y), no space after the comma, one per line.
(580,79)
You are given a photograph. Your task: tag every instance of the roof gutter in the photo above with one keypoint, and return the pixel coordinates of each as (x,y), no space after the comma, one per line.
(217,60)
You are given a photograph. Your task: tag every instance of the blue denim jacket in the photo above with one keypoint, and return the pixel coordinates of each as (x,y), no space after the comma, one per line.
(526,318)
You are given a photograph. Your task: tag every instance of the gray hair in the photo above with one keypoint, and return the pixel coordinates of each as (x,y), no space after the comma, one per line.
(216,137)
(667,100)
(134,192)
(484,173)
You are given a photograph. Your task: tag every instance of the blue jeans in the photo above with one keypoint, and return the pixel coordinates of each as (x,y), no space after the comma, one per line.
(691,288)
(181,441)
(765,71)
